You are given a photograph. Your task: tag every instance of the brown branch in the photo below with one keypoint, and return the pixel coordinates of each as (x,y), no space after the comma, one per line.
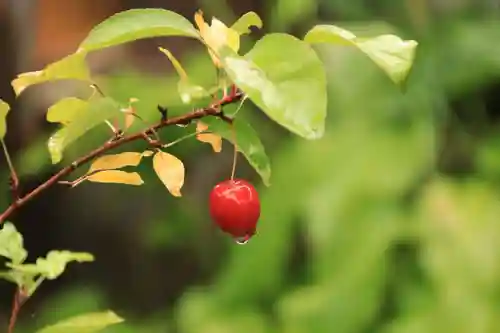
(212,110)
(20,297)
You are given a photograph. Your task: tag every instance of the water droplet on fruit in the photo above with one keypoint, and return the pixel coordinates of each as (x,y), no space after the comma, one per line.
(242,240)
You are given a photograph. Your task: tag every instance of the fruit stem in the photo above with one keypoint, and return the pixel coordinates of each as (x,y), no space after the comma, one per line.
(235,154)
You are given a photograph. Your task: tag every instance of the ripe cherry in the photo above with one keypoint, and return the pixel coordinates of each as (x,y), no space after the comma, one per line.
(235,208)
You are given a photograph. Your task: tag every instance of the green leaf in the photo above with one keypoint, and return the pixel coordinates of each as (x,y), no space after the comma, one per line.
(9,276)
(187,90)
(247,20)
(87,323)
(4,109)
(95,113)
(66,110)
(21,279)
(136,24)
(70,67)
(290,87)
(392,54)
(248,141)
(54,264)
(11,244)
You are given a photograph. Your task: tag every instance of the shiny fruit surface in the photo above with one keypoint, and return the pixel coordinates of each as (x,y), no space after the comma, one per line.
(235,208)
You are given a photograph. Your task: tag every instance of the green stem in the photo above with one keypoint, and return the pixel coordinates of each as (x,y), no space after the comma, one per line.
(235,154)
(182,138)
(35,286)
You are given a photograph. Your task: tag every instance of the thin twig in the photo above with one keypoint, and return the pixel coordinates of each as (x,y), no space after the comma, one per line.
(19,299)
(212,110)
(182,138)
(14,185)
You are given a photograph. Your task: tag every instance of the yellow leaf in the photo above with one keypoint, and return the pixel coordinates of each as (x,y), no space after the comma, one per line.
(216,36)
(129,118)
(177,65)
(116,161)
(147,153)
(213,139)
(116,176)
(129,114)
(223,35)
(200,22)
(171,172)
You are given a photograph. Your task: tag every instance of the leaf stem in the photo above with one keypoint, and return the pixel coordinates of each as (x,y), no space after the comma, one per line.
(13,174)
(35,286)
(212,110)
(182,138)
(235,153)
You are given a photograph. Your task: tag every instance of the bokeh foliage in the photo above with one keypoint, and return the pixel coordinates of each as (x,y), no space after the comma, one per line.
(371,228)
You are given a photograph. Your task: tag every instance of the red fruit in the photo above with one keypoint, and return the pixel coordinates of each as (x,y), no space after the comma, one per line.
(235,208)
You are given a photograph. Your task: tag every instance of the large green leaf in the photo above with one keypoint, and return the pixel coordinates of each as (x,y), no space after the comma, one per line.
(392,54)
(87,323)
(4,109)
(135,24)
(247,20)
(66,110)
(69,67)
(290,87)
(91,114)
(248,144)
(11,244)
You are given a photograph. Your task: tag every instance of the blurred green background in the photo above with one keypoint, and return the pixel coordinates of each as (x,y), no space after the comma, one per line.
(388,224)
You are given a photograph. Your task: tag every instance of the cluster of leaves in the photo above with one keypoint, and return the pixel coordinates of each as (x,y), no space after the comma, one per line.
(289,87)
(29,276)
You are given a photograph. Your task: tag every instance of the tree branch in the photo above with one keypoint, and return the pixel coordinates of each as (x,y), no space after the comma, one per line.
(20,297)
(212,110)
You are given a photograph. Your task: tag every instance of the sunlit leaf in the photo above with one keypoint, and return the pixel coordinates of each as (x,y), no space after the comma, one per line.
(116,177)
(216,36)
(134,24)
(248,142)
(247,20)
(4,110)
(54,264)
(87,323)
(70,67)
(116,161)
(66,110)
(11,244)
(213,139)
(10,276)
(189,91)
(129,120)
(129,114)
(290,87)
(392,54)
(170,170)
(96,112)
(177,65)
